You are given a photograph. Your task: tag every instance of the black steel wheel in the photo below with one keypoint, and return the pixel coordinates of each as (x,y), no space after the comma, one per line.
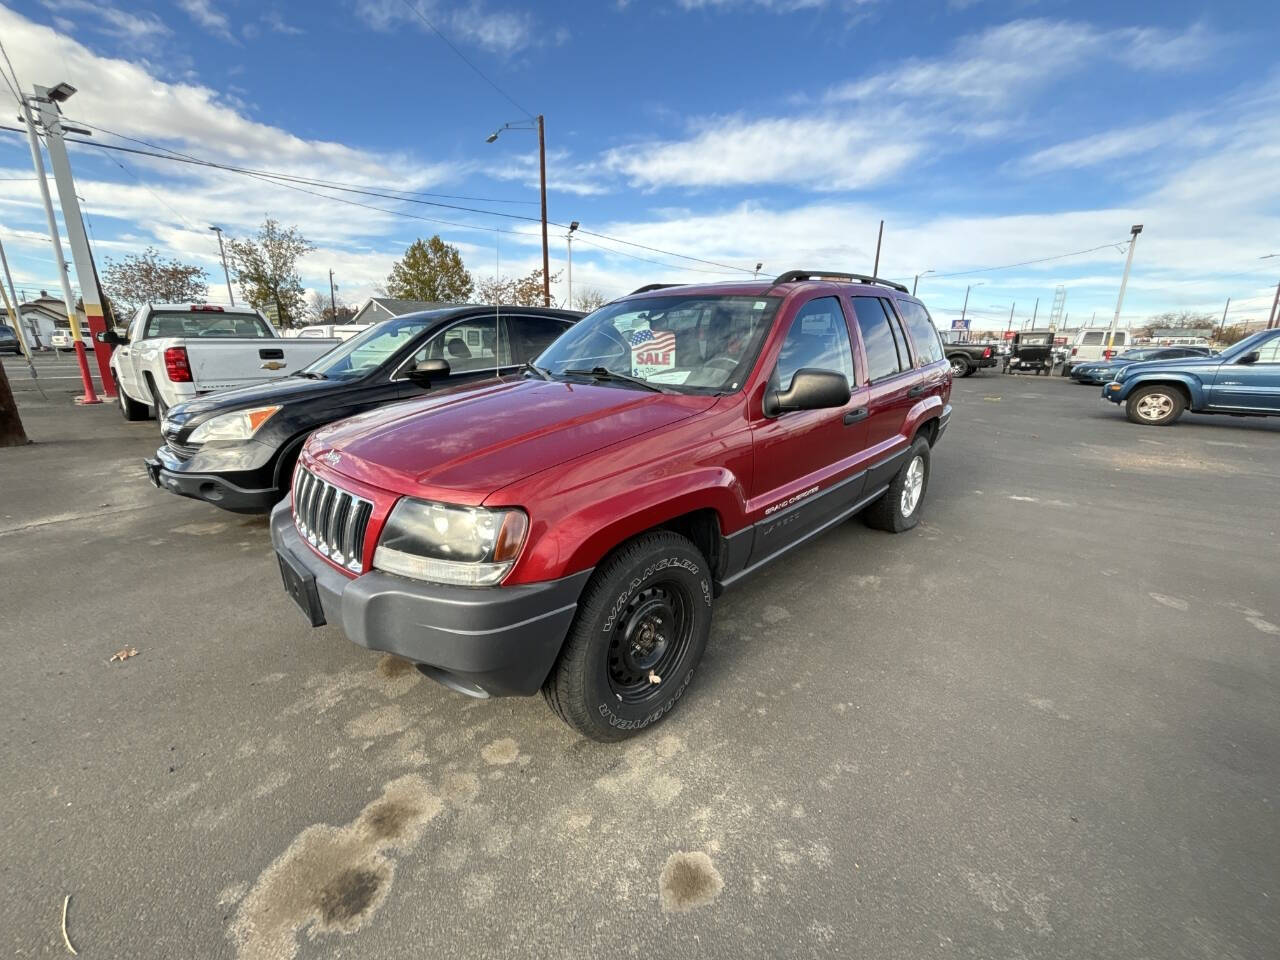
(641,626)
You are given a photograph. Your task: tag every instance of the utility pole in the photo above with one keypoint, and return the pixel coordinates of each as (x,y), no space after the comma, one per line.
(965,308)
(1271,321)
(48,99)
(1010,326)
(755,275)
(1124,282)
(568,240)
(225,272)
(333,301)
(1223,325)
(1036,312)
(59,263)
(542,173)
(875,271)
(15,311)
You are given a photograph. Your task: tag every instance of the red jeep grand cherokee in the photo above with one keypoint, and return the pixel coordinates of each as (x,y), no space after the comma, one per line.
(569,530)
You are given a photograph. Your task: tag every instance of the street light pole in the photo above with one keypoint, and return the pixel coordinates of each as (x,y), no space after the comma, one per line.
(333,302)
(568,239)
(1124,282)
(225,272)
(37,161)
(540,125)
(875,270)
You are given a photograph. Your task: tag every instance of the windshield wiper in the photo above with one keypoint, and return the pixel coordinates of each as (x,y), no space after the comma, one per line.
(311,375)
(534,368)
(601,373)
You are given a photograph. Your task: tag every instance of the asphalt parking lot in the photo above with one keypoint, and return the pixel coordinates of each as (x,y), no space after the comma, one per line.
(1044,724)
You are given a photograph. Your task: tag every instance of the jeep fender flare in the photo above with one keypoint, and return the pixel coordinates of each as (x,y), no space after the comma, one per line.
(1192,386)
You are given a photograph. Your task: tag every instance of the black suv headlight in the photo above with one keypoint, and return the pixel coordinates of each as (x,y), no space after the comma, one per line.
(445,543)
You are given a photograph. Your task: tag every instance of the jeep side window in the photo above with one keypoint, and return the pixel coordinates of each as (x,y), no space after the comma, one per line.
(886,354)
(1269,352)
(923,332)
(818,338)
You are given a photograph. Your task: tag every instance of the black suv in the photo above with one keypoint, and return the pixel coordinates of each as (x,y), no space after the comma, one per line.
(236,448)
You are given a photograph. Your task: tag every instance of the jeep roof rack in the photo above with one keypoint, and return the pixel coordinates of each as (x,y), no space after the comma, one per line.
(793,275)
(653,286)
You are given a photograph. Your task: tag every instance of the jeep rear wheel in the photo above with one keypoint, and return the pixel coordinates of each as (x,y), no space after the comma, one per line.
(1155,406)
(641,626)
(898,510)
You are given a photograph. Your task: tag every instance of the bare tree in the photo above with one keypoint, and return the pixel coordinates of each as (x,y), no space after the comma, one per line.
(149,278)
(523,291)
(588,299)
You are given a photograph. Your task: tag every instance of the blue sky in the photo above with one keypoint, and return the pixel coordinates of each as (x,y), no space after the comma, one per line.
(734,131)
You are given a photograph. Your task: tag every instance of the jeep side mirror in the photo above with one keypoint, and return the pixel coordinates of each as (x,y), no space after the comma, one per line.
(1251,357)
(811,389)
(423,373)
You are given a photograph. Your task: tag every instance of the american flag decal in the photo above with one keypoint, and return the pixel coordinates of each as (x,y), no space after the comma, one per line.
(650,349)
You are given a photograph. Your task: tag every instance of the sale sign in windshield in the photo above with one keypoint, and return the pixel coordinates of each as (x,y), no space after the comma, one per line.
(652,351)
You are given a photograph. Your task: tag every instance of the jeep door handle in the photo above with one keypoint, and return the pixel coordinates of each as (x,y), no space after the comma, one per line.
(853,416)
(918,389)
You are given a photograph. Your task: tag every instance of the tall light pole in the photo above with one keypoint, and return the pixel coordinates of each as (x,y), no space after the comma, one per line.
(1124,282)
(55,241)
(965,308)
(539,125)
(225,272)
(568,239)
(916,281)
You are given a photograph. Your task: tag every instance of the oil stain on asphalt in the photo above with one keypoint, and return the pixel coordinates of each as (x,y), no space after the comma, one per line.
(688,881)
(332,879)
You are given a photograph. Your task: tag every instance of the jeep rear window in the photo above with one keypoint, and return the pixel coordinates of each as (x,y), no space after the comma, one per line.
(690,344)
(202,323)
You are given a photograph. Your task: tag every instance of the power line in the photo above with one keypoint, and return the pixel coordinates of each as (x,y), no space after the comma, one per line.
(287,180)
(313,181)
(1025,263)
(421,16)
(16,82)
(669,266)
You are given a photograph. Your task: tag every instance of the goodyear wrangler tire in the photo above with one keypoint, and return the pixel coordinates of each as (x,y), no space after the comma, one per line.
(639,633)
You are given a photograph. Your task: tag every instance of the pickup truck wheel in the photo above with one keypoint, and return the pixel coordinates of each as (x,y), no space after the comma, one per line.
(898,510)
(131,410)
(640,630)
(1155,406)
(960,367)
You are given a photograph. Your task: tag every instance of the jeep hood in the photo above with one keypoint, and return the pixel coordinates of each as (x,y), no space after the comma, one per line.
(1172,365)
(461,446)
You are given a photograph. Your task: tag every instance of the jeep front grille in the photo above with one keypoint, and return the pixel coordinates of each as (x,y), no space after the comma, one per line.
(332,520)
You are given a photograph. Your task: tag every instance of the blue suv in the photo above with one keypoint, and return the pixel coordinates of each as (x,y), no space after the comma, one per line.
(1243,380)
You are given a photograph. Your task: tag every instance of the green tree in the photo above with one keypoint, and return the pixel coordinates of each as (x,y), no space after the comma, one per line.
(267,270)
(523,291)
(149,278)
(431,271)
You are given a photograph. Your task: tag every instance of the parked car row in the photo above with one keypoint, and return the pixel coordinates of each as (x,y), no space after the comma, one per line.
(517,500)
(1103,371)
(1243,381)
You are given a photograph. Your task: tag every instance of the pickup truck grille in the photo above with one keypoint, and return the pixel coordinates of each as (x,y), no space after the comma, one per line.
(329,518)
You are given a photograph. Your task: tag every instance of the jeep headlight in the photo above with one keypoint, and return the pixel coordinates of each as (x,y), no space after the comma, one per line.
(470,546)
(240,425)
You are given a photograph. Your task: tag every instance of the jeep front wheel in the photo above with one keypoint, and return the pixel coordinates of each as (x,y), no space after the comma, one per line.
(1155,406)
(641,626)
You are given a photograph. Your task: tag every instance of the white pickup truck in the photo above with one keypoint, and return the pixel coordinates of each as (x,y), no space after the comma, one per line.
(176,351)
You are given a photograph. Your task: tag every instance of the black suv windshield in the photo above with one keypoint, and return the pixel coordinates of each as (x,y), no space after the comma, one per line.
(366,351)
(694,344)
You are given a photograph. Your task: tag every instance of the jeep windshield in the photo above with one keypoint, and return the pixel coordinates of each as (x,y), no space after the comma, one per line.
(366,351)
(690,344)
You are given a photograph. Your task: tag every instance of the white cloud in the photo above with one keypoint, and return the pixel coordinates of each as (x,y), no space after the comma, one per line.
(110,20)
(777,6)
(472,22)
(206,15)
(1184,130)
(820,152)
(276,21)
